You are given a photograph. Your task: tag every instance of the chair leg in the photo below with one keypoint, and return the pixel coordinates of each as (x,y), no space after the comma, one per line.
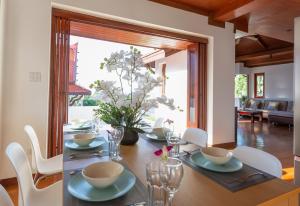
(36,177)
(39,179)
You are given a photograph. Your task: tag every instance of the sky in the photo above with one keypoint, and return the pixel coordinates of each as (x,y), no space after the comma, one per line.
(91,53)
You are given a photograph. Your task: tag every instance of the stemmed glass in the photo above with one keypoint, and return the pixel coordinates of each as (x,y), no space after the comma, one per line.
(156,193)
(117,136)
(173,137)
(174,140)
(168,127)
(171,173)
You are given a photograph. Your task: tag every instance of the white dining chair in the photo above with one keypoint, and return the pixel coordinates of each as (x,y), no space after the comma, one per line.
(44,166)
(29,194)
(259,159)
(195,136)
(4,198)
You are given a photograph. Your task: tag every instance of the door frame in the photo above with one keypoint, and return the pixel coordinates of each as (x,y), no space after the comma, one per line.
(200,68)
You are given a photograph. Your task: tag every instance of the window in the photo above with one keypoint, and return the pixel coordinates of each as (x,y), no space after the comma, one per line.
(259,85)
(241,84)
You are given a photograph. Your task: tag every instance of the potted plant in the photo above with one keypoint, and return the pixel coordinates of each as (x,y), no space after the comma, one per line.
(243,100)
(124,102)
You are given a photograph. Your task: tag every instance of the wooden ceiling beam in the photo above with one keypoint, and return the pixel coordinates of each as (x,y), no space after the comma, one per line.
(270,61)
(238,8)
(258,55)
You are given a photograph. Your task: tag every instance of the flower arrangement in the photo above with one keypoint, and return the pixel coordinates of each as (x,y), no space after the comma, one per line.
(163,153)
(126,100)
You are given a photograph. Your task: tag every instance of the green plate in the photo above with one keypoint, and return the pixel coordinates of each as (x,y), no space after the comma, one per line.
(232,166)
(72,145)
(81,189)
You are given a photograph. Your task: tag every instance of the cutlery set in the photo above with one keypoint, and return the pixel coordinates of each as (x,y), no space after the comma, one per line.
(246,178)
(86,155)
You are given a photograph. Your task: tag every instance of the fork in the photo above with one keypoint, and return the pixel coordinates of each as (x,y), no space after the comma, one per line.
(245,178)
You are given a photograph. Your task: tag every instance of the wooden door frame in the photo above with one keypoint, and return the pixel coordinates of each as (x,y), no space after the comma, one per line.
(202,54)
(197,73)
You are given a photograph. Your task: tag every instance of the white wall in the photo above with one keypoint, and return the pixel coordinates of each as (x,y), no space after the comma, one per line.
(2,16)
(27,46)
(279,80)
(297,88)
(27,49)
(297,97)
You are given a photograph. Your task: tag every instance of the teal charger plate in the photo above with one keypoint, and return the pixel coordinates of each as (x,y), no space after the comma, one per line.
(82,128)
(81,189)
(155,137)
(72,145)
(232,166)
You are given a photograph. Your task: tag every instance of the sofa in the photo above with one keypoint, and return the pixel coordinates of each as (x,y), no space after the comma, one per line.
(277,111)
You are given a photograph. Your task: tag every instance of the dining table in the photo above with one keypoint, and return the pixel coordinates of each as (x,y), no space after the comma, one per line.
(196,189)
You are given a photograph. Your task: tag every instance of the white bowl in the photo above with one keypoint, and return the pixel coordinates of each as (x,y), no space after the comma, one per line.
(216,155)
(102,174)
(159,132)
(83,139)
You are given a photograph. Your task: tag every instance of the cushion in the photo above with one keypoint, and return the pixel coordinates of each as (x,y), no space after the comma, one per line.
(272,106)
(281,114)
(290,107)
(253,104)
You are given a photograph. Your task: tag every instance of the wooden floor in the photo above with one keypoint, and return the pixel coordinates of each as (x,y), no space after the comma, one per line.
(277,140)
(12,189)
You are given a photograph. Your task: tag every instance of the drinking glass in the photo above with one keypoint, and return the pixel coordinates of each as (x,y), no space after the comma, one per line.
(174,140)
(156,193)
(111,145)
(171,173)
(117,136)
(168,127)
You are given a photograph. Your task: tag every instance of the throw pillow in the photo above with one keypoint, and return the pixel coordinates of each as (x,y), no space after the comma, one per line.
(272,106)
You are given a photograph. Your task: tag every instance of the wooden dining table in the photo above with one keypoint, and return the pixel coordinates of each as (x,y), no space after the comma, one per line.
(197,189)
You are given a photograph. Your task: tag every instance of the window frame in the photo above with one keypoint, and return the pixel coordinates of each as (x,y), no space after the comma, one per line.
(256,75)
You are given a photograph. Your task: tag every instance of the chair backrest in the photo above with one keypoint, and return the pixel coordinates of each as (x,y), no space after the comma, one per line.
(259,159)
(4,198)
(20,163)
(196,136)
(35,145)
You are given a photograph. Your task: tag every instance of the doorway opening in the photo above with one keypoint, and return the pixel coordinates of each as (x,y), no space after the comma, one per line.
(84,41)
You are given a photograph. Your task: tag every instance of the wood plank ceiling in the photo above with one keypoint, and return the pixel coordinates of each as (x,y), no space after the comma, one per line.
(257,50)
(270,24)
(272,18)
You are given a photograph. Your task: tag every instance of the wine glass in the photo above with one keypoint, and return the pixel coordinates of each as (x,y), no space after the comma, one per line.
(117,136)
(168,127)
(171,173)
(156,193)
(174,140)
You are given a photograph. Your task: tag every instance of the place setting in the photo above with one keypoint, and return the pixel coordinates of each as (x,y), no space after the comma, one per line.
(78,125)
(84,145)
(110,182)
(221,166)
